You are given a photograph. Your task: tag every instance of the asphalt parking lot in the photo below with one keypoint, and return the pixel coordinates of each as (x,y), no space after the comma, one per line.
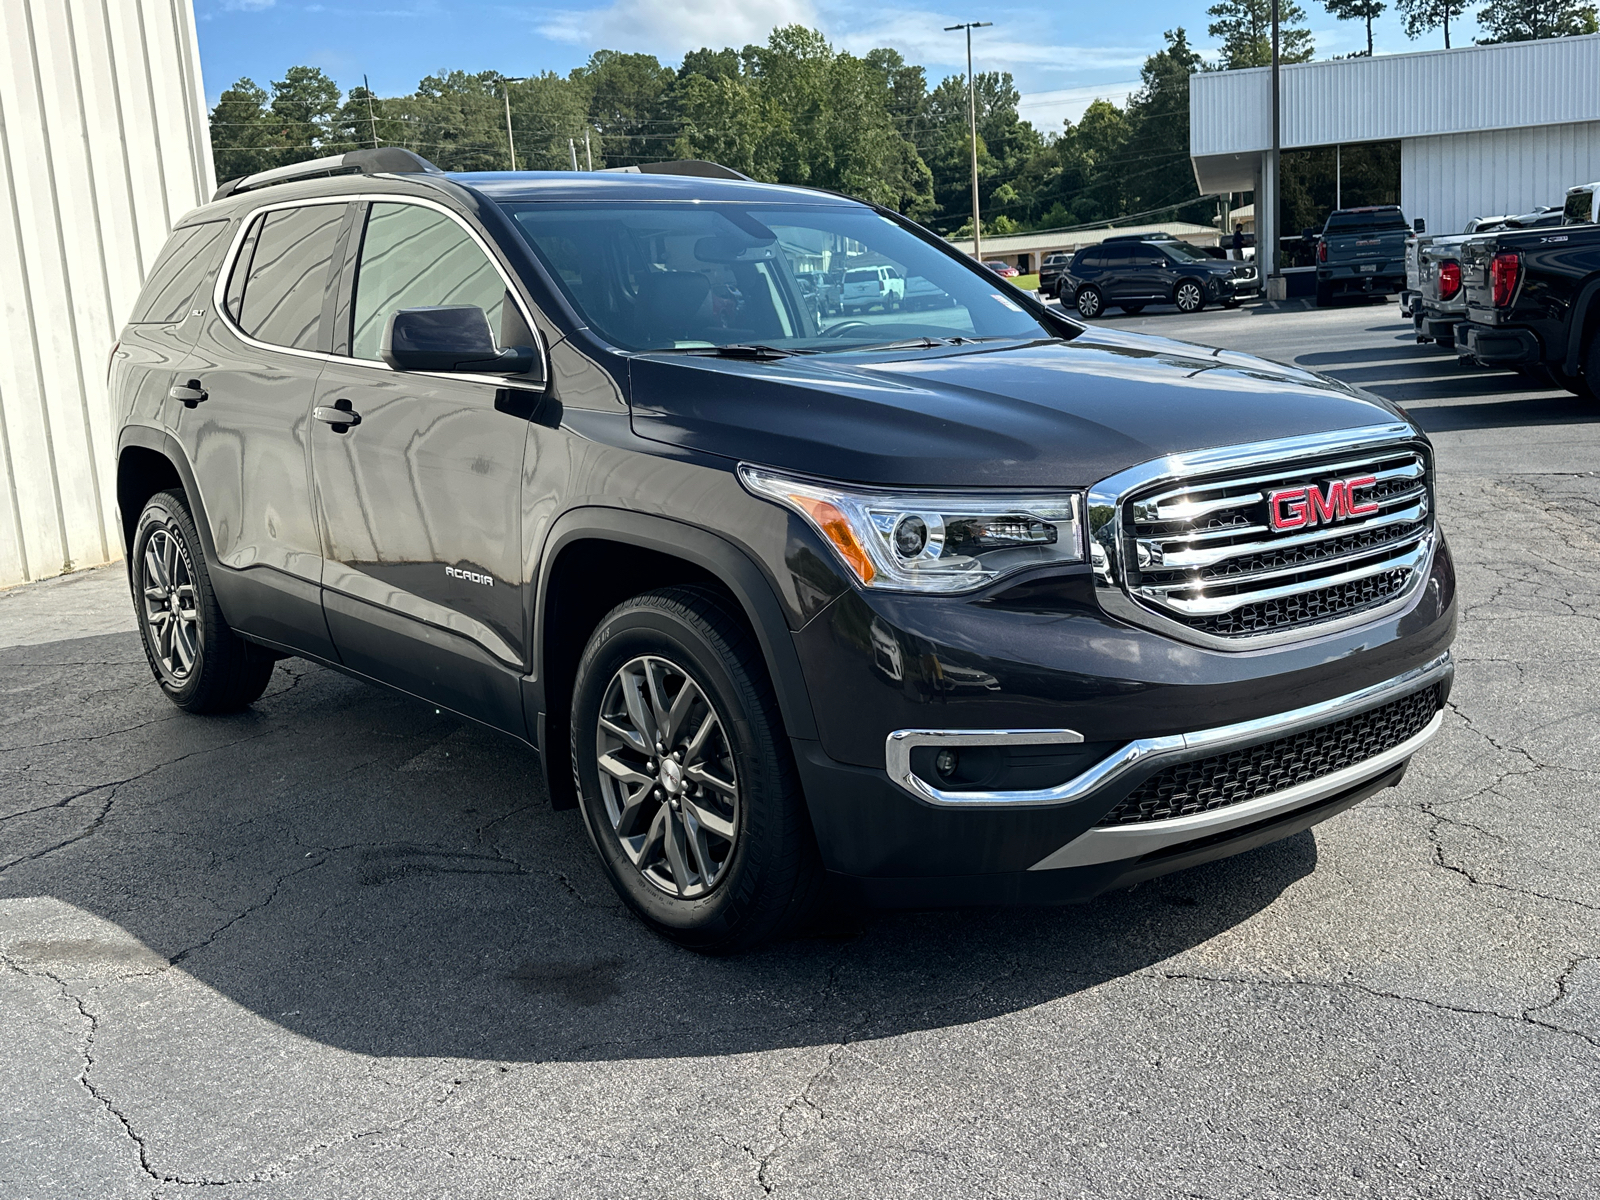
(339,945)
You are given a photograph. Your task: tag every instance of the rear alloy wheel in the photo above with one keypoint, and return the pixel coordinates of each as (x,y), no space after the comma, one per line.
(684,773)
(1090,302)
(1189,297)
(200,663)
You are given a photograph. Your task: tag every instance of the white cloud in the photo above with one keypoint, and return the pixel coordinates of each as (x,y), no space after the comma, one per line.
(247,5)
(1046,110)
(670,29)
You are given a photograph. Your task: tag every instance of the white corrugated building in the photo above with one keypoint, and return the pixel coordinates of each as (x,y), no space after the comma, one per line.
(103,145)
(1482,129)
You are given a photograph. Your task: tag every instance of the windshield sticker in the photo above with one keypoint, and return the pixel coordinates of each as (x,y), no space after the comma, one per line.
(1012,305)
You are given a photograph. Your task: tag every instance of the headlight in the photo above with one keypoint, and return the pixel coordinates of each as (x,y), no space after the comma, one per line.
(931,542)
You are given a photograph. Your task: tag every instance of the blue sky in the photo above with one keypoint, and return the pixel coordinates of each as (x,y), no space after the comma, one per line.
(1062,54)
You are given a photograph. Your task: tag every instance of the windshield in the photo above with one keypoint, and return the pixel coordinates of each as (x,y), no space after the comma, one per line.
(1367,222)
(652,275)
(1184,252)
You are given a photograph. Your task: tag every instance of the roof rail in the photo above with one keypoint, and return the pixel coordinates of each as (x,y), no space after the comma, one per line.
(385,160)
(697,167)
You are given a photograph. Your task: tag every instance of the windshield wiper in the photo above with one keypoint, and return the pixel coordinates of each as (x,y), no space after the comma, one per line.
(751,350)
(919,343)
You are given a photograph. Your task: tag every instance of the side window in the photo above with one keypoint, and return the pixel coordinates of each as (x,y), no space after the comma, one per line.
(416,257)
(170,288)
(280,286)
(1092,259)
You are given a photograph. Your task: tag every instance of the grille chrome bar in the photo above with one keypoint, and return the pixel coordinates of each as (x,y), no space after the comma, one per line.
(1202,553)
(1166,592)
(1153,549)
(1142,510)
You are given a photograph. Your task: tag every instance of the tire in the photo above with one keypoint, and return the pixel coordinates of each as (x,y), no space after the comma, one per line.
(1324,295)
(1132,310)
(742,792)
(1189,296)
(198,661)
(1555,377)
(1090,302)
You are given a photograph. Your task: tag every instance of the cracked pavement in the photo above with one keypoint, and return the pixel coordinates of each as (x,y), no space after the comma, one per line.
(339,945)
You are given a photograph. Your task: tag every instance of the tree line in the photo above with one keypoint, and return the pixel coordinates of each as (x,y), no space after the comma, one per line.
(797,110)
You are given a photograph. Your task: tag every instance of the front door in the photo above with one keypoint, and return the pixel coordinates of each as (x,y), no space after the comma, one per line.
(420,500)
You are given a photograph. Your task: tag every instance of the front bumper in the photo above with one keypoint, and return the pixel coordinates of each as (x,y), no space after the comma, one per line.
(1139,701)
(1488,345)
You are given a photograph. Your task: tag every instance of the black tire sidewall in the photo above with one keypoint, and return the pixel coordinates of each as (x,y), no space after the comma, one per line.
(164,513)
(636,629)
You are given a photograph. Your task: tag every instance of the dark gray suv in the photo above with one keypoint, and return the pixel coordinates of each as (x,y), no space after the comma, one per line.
(967,604)
(1133,271)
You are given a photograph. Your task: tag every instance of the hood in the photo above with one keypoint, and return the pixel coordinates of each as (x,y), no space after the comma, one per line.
(1039,414)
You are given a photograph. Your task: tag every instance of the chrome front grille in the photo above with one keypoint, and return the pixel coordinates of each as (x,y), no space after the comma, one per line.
(1203,554)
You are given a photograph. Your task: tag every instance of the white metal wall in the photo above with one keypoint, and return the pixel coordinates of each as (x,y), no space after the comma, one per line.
(1450,180)
(103,146)
(1513,86)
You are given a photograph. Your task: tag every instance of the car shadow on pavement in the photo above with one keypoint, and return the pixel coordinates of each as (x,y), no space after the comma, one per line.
(365,871)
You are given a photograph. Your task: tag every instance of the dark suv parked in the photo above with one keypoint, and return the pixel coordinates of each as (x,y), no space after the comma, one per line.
(1132,271)
(964,605)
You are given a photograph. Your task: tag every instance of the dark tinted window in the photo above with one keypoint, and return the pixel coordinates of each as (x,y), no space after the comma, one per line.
(1147,256)
(170,288)
(1088,258)
(1114,257)
(1366,222)
(416,257)
(283,287)
(1580,207)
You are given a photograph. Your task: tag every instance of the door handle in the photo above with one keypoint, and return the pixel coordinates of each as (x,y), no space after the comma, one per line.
(341,416)
(190,393)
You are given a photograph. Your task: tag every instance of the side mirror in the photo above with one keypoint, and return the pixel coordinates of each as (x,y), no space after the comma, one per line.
(454,339)
(1419,226)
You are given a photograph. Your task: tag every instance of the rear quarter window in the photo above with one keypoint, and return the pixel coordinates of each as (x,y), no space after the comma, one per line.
(184,261)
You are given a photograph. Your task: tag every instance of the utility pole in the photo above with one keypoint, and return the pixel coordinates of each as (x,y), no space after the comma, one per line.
(972,121)
(1277,148)
(588,154)
(370,116)
(572,148)
(505,88)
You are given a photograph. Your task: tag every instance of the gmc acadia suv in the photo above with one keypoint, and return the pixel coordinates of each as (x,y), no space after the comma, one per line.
(1132,270)
(970,605)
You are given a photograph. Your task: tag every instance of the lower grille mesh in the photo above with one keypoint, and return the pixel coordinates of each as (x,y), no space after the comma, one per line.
(1244,774)
(1308,608)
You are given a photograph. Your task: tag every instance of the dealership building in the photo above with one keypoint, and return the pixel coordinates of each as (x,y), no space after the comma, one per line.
(1449,134)
(103,146)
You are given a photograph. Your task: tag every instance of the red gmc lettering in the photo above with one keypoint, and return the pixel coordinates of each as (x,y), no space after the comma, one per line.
(1351,508)
(1294,508)
(1288,508)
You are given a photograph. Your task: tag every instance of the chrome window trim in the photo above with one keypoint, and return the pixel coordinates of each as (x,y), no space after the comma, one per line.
(1199,744)
(1106,499)
(219,291)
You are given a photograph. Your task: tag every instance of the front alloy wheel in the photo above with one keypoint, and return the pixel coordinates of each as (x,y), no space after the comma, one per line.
(1189,298)
(686,779)
(667,777)
(1089,302)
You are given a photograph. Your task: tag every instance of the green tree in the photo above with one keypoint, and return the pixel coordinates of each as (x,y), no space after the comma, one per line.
(1527,20)
(1245,28)
(241,132)
(1420,16)
(1356,10)
(305,103)
(1157,172)
(632,103)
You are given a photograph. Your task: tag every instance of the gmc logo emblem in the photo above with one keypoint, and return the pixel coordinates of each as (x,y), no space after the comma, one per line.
(1303,507)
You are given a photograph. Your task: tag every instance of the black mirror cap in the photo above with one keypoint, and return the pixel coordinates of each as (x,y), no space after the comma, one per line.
(454,339)
(1419,226)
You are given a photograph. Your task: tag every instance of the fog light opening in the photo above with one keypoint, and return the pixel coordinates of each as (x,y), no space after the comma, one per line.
(947,762)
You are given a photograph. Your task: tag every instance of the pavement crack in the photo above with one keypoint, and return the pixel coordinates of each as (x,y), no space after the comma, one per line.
(1521,1017)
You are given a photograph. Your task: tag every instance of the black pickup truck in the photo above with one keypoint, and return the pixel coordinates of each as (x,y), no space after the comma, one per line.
(1533,302)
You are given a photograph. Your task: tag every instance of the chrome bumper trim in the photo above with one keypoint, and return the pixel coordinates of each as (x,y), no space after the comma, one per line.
(1116,844)
(899,744)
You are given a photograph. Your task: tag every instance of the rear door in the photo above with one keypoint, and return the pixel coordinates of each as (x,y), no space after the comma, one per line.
(256,363)
(420,501)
